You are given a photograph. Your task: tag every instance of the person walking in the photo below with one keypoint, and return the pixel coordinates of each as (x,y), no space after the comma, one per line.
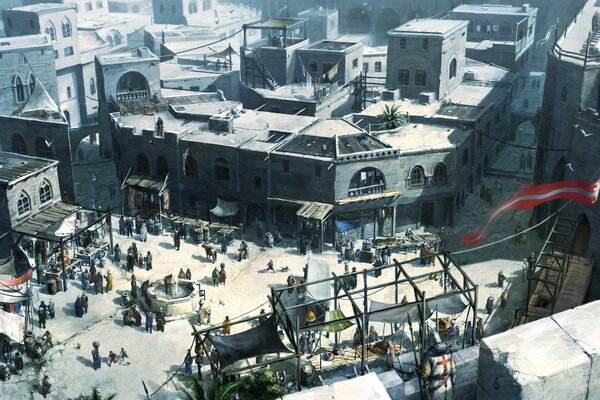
(188,274)
(181,274)
(176,241)
(109,282)
(224,244)
(122,226)
(479,330)
(215,277)
(42,315)
(222,275)
(143,232)
(129,227)
(78,307)
(188,363)
(160,320)
(148,261)
(124,357)
(51,311)
(489,304)
(96,359)
(85,302)
(227,326)
(46,385)
(518,233)
(469,333)
(270,266)
(135,252)
(99,283)
(18,363)
(149,322)
(504,299)
(117,254)
(112,358)
(133,287)
(85,279)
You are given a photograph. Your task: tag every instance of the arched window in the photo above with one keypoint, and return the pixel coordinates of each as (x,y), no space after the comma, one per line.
(417,176)
(23,204)
(563,94)
(221,167)
(452,69)
(69,94)
(366,181)
(465,157)
(31,83)
(45,192)
(313,66)
(193,7)
(190,166)
(51,31)
(19,90)
(135,9)
(162,167)
(42,149)
(18,144)
(142,166)
(114,38)
(439,174)
(67,30)
(92,86)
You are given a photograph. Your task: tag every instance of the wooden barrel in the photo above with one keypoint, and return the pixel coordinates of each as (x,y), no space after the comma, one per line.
(51,285)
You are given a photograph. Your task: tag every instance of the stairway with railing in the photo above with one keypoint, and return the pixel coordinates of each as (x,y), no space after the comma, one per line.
(264,71)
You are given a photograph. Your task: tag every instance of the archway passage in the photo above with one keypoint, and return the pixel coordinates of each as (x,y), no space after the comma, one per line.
(581,238)
(132,85)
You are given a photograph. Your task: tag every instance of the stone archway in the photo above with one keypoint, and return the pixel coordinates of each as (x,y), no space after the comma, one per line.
(581,238)
(132,85)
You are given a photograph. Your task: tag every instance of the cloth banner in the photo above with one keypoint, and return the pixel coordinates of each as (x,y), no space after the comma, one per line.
(346,225)
(12,325)
(225,208)
(18,281)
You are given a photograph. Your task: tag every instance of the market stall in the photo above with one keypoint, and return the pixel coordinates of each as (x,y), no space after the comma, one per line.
(407,243)
(145,196)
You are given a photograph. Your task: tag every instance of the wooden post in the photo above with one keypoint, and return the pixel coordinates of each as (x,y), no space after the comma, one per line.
(298,355)
(62,261)
(364,354)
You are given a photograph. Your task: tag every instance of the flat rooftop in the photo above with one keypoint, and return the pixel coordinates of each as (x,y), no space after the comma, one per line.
(331,45)
(14,167)
(438,27)
(133,21)
(577,33)
(425,137)
(493,9)
(44,8)
(22,42)
(332,127)
(141,53)
(187,32)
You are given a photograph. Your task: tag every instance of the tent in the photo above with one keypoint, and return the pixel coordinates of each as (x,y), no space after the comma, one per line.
(225,208)
(12,325)
(335,325)
(257,341)
(448,305)
(360,388)
(395,315)
(41,105)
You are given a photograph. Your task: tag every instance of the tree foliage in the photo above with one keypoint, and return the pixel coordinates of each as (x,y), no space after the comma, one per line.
(97,396)
(391,117)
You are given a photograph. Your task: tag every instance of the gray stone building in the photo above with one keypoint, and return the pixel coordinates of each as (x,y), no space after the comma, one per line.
(27,185)
(322,23)
(498,34)
(426,57)
(23,61)
(568,134)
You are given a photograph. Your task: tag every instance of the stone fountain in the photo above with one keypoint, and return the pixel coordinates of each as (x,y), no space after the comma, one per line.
(174,296)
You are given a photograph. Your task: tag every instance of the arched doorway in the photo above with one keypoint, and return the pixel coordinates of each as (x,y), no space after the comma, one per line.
(582,235)
(132,85)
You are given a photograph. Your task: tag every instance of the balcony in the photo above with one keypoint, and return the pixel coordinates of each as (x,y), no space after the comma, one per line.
(133,95)
(378,188)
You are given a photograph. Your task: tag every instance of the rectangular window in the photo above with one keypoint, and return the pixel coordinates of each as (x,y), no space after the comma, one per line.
(56,54)
(365,67)
(99,5)
(286,165)
(420,77)
(402,43)
(68,51)
(317,170)
(88,6)
(257,183)
(403,77)
(377,66)
(355,63)
(425,44)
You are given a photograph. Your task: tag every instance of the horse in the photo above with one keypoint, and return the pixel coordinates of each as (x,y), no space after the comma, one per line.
(211,252)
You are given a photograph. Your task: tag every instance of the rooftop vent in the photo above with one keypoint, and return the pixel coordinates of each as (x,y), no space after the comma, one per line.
(470,75)
(221,123)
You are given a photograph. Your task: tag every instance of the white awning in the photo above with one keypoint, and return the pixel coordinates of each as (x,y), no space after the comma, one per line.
(12,325)
(360,388)
(225,208)
(41,105)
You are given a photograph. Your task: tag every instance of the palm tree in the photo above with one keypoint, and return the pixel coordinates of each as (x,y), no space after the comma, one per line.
(391,117)
(97,396)
(217,391)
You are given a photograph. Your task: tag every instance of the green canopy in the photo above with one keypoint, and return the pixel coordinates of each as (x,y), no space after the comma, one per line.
(336,321)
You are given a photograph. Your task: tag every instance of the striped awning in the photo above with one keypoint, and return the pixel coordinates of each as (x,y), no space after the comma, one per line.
(314,210)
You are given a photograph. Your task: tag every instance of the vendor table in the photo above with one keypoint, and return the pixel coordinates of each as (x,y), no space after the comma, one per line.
(88,257)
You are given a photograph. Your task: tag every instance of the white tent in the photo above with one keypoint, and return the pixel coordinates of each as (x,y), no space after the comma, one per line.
(41,105)
(225,208)
(360,388)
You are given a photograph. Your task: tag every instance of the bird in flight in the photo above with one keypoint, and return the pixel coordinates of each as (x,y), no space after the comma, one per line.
(585,134)
(48,144)
(569,166)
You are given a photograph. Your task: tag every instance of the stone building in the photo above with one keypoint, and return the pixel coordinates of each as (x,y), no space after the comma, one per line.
(498,34)
(27,185)
(568,134)
(59,22)
(130,6)
(426,57)
(23,61)
(322,24)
